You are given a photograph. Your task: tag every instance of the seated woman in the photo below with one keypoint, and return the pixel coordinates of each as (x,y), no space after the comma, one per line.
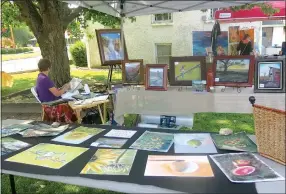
(47,92)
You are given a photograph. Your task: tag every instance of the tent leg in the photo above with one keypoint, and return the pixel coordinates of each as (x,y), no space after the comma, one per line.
(12,184)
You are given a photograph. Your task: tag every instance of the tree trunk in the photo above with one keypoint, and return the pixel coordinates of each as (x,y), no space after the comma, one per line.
(53,47)
(225,68)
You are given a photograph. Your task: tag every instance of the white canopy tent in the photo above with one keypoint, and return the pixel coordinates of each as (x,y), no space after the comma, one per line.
(129,8)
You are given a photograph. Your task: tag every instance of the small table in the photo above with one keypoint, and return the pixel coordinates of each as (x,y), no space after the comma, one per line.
(79,107)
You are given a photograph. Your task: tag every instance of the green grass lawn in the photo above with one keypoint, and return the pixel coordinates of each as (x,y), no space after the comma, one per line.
(25,81)
(208,122)
(8,57)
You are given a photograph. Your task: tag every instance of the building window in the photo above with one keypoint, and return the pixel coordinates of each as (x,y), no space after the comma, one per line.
(163,53)
(211,13)
(162,18)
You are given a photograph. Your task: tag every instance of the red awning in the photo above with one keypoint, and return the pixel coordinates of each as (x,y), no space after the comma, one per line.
(255,14)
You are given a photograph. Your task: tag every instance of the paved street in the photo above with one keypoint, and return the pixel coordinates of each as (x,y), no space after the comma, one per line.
(13,66)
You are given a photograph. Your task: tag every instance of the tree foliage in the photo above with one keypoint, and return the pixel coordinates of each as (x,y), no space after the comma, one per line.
(10,15)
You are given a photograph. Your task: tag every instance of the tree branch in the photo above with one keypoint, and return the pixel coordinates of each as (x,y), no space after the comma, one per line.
(30,15)
(69,18)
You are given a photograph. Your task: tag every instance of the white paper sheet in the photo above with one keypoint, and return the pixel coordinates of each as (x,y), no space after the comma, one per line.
(120,133)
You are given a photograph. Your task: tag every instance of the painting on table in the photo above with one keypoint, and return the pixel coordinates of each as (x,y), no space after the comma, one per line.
(133,72)
(194,143)
(270,76)
(183,70)
(110,162)
(156,77)
(245,168)
(78,135)
(233,71)
(154,141)
(237,142)
(109,143)
(9,145)
(13,129)
(38,131)
(202,41)
(111,47)
(48,155)
(180,166)
(120,133)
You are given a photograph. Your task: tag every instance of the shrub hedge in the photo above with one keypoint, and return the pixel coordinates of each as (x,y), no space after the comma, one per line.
(15,50)
(78,52)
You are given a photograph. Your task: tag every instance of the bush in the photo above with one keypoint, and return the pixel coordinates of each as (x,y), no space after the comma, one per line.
(37,44)
(78,52)
(6,42)
(15,51)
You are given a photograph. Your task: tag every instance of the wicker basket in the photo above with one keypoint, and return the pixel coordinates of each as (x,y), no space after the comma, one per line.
(270,132)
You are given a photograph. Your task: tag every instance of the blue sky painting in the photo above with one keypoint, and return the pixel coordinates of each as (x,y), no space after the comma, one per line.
(202,40)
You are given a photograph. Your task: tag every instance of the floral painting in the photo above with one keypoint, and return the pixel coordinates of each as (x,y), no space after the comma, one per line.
(154,141)
(110,162)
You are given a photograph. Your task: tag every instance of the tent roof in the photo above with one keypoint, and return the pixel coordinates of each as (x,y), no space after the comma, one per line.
(137,8)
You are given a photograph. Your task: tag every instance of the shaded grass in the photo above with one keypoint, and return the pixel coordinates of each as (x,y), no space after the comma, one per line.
(25,81)
(31,186)
(8,57)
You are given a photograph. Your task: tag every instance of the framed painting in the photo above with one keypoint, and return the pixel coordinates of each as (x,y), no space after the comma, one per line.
(233,71)
(110,46)
(183,70)
(156,77)
(270,76)
(133,72)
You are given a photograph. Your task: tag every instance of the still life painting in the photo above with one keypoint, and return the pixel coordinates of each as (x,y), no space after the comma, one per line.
(48,155)
(9,145)
(132,72)
(237,142)
(185,69)
(234,71)
(120,133)
(13,129)
(202,41)
(245,168)
(78,135)
(109,143)
(110,162)
(179,166)
(154,141)
(194,143)
(110,46)
(156,77)
(270,76)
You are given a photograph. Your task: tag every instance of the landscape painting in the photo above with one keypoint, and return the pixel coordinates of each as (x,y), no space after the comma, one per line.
(9,145)
(109,143)
(234,70)
(194,143)
(245,168)
(154,141)
(156,77)
(13,129)
(202,41)
(110,162)
(237,142)
(132,72)
(110,46)
(270,75)
(178,166)
(48,155)
(78,135)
